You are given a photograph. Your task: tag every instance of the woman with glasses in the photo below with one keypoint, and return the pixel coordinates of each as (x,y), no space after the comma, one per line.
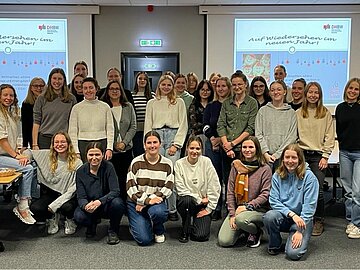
(124,131)
(236,121)
(36,88)
(91,120)
(56,171)
(52,110)
(260,91)
(203,95)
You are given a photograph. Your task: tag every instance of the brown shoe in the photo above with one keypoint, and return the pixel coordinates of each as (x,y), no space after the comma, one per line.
(318,228)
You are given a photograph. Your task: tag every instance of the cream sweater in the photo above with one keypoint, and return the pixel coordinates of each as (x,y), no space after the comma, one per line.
(316,134)
(160,113)
(91,120)
(199,180)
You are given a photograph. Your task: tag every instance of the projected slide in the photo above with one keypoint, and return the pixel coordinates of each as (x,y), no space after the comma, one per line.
(314,49)
(31,48)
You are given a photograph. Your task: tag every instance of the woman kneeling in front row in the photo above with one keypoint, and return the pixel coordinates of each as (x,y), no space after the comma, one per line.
(98,194)
(293,198)
(150,181)
(247,196)
(198,190)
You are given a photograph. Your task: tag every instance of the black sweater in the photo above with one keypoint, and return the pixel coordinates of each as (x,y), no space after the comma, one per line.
(103,187)
(348,126)
(27,120)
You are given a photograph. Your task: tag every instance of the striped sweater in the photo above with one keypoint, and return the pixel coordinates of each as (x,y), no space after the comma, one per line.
(146,181)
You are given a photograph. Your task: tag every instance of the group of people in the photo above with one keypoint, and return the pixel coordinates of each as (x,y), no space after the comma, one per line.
(190,147)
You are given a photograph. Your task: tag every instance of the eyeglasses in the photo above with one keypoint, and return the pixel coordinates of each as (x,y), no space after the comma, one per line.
(38,85)
(114,89)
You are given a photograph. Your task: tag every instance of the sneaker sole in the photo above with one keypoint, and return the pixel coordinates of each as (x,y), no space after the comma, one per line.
(354,236)
(16,212)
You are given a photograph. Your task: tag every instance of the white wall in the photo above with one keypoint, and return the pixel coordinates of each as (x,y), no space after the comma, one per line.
(220,42)
(118,29)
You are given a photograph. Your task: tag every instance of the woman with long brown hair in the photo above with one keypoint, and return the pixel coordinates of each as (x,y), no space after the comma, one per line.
(52,109)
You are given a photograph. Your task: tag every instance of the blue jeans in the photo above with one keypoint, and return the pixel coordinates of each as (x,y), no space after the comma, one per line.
(350,178)
(113,210)
(167,136)
(143,225)
(275,222)
(216,160)
(26,182)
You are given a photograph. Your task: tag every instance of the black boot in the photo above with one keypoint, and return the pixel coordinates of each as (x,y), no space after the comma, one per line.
(184,237)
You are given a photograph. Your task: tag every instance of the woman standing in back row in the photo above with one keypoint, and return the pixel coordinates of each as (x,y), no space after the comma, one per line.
(347,116)
(36,88)
(166,114)
(142,94)
(275,125)
(52,110)
(317,139)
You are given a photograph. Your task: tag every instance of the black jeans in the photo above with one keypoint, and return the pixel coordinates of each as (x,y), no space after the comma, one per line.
(313,161)
(40,206)
(199,228)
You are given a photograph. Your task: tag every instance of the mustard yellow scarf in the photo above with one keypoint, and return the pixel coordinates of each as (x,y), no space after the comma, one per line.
(241,190)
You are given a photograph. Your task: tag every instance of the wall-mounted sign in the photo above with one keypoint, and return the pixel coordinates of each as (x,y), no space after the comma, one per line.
(150,66)
(150,42)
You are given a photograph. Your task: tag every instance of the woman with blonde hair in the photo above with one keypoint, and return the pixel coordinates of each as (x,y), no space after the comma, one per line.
(293,198)
(52,109)
(213,78)
(347,117)
(10,158)
(56,171)
(212,146)
(317,140)
(193,81)
(166,114)
(36,88)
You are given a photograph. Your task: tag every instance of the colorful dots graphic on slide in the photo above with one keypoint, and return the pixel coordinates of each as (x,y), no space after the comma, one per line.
(26,64)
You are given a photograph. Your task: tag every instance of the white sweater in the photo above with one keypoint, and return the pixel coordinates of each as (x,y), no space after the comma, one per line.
(8,130)
(199,180)
(160,113)
(91,120)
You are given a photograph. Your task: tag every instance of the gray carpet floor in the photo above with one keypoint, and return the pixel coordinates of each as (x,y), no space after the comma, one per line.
(30,247)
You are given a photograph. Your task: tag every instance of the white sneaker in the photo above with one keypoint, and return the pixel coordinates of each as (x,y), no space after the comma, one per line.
(159,238)
(70,226)
(24,215)
(349,228)
(355,233)
(53,224)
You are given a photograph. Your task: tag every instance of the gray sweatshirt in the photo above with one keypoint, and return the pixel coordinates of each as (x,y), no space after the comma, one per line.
(275,128)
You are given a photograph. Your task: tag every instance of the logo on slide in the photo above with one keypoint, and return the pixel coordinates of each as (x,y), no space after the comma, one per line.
(335,28)
(50,28)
